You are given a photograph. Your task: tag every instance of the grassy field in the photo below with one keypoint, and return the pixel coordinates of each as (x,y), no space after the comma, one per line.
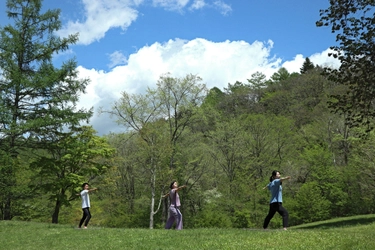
(344,233)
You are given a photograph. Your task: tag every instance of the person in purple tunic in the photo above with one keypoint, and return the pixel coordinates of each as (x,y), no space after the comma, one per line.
(174,208)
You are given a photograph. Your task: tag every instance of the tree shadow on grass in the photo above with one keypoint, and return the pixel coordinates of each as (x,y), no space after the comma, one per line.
(345,222)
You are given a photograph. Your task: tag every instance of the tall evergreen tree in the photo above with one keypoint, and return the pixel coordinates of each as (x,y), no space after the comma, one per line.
(38,99)
(306,66)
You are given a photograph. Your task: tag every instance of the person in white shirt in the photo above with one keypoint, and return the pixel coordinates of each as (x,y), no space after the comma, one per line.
(85,205)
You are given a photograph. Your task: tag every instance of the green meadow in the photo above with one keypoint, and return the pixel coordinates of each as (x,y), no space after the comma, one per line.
(355,232)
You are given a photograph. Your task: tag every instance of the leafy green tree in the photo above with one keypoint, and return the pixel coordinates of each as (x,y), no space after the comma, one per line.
(281,75)
(179,99)
(353,22)
(213,98)
(139,112)
(310,204)
(228,150)
(239,99)
(359,176)
(38,99)
(257,82)
(77,157)
(160,118)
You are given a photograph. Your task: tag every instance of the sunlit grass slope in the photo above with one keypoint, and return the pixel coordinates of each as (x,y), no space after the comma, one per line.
(343,233)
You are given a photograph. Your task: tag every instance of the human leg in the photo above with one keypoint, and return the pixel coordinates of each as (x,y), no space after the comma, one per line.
(171,218)
(178,219)
(271,213)
(84,216)
(284,213)
(88,216)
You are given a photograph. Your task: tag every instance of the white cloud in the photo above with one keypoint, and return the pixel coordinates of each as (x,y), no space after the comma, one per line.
(322,59)
(223,7)
(217,63)
(117,58)
(198,4)
(99,17)
(219,5)
(171,4)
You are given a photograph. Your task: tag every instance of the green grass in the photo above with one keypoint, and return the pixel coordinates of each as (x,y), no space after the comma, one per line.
(343,233)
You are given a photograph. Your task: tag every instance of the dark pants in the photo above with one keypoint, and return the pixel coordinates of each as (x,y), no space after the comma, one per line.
(85,217)
(276,207)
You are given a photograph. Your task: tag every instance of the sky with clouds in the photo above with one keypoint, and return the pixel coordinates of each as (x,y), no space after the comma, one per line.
(126,45)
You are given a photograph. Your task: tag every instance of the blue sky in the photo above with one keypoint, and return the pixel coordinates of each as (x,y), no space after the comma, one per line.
(125,45)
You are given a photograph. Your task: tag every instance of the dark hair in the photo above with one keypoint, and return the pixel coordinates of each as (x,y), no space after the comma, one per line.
(170,186)
(274,173)
(84,184)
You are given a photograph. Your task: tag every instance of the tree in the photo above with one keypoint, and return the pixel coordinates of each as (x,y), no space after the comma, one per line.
(257,84)
(213,98)
(179,100)
(281,75)
(353,21)
(159,118)
(38,99)
(77,157)
(306,66)
(138,112)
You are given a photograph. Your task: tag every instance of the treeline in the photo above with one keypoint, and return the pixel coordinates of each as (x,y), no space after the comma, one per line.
(222,144)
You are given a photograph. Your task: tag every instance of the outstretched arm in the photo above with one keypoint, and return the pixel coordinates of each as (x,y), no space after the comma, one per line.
(93,189)
(180,187)
(164,196)
(285,178)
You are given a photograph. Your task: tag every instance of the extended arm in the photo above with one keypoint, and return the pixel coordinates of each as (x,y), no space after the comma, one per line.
(285,178)
(164,196)
(93,189)
(180,187)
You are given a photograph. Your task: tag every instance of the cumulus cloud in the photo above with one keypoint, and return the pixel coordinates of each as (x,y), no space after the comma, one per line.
(117,58)
(322,59)
(222,6)
(219,5)
(198,4)
(218,63)
(99,17)
(171,4)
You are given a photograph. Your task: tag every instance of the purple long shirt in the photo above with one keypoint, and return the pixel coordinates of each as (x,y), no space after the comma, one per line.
(175,199)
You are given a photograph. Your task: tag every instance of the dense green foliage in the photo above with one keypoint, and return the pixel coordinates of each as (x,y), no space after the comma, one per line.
(222,144)
(353,22)
(38,110)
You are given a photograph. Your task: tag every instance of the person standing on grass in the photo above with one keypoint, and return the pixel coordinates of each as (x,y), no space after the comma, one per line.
(174,208)
(85,205)
(275,186)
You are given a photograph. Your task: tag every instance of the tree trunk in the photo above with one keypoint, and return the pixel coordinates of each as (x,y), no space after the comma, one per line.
(55,215)
(7,205)
(152,212)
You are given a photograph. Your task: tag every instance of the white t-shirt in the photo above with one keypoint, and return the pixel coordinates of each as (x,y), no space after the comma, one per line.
(85,198)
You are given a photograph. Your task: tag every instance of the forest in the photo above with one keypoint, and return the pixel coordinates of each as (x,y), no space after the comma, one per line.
(315,126)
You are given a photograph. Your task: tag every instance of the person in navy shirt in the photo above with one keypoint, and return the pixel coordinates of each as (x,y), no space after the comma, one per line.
(276,201)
